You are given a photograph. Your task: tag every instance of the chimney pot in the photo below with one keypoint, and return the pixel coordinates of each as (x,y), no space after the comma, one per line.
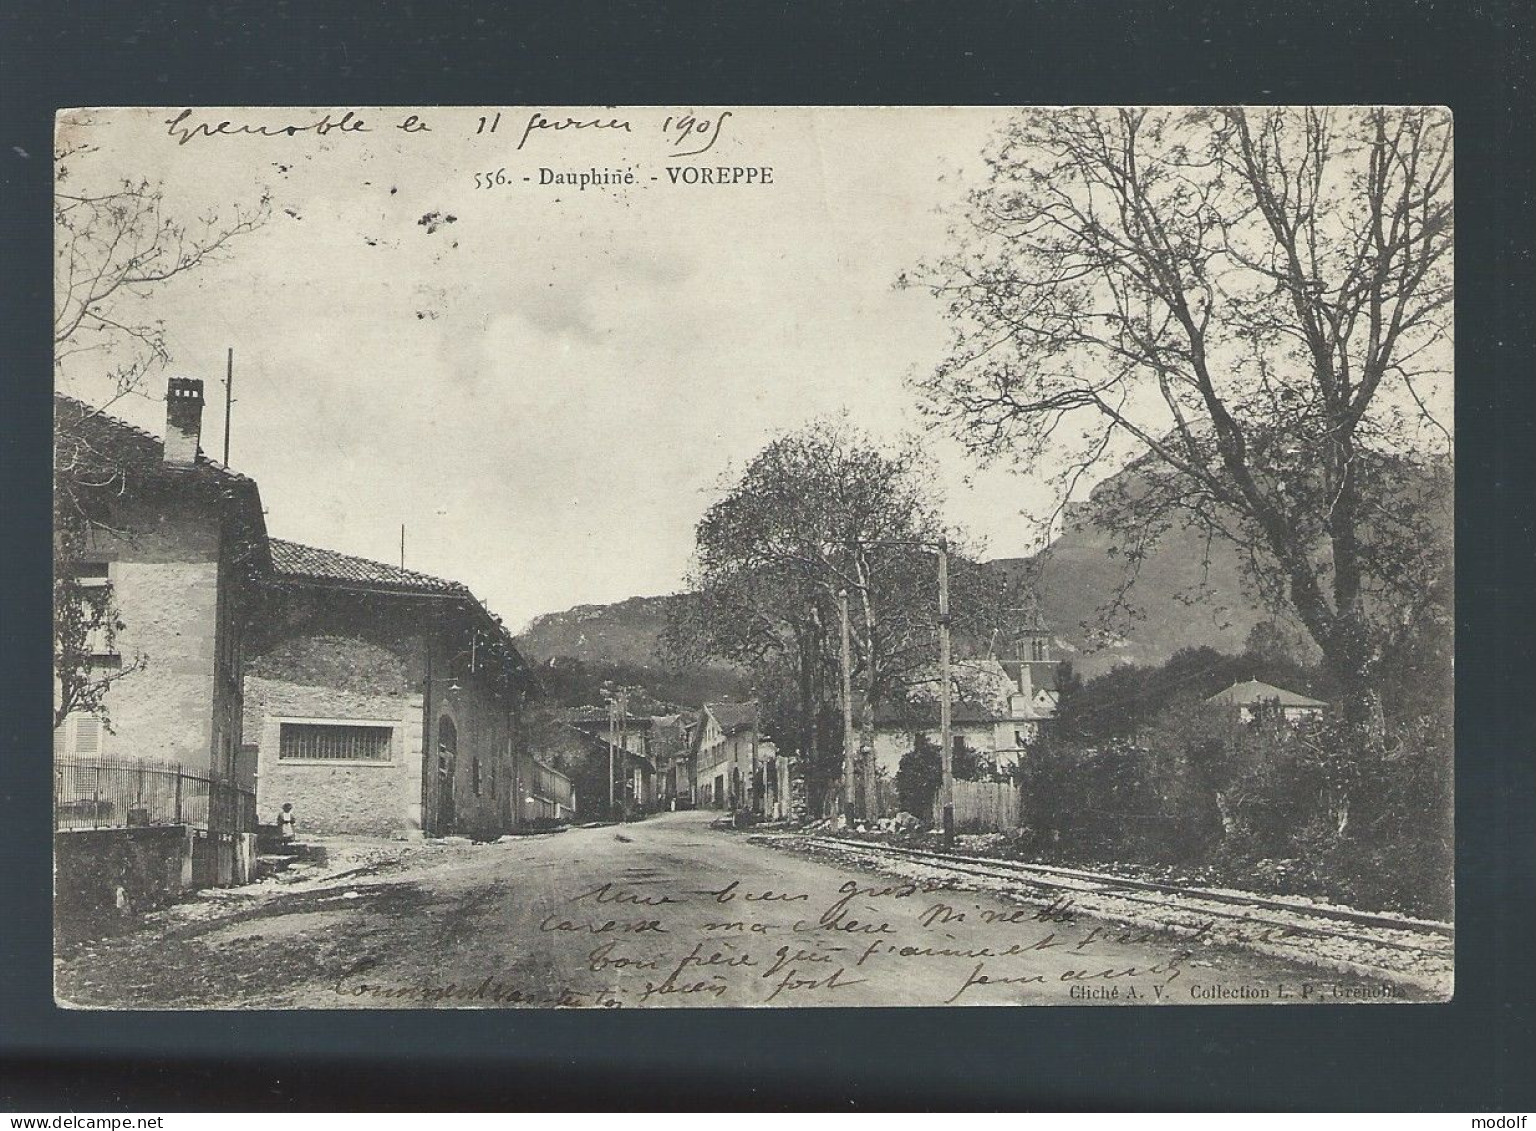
(183,420)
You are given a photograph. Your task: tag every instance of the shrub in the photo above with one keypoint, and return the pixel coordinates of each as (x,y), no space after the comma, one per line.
(921,772)
(1307,810)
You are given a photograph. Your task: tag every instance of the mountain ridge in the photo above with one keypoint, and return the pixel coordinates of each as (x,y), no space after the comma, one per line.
(1189,591)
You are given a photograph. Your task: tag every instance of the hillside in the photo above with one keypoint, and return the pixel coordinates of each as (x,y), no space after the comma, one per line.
(1180,600)
(625,633)
(1075,576)
(583,647)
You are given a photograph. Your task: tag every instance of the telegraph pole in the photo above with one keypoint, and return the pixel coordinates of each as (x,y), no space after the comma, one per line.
(624,741)
(756,798)
(613,735)
(629,770)
(946,752)
(229,397)
(845,663)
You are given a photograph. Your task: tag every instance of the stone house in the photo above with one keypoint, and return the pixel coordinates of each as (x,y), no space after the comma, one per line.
(672,754)
(998,709)
(177,545)
(734,766)
(551,794)
(181,544)
(584,758)
(632,758)
(385,702)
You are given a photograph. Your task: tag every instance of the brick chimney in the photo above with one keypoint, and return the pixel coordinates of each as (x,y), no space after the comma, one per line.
(183,420)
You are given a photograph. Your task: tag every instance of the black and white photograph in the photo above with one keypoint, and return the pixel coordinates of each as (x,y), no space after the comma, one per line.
(746,556)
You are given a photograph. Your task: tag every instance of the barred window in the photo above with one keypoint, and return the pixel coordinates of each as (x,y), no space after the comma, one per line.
(338,742)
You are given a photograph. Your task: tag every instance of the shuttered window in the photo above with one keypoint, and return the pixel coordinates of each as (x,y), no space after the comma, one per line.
(80,735)
(334,742)
(87,735)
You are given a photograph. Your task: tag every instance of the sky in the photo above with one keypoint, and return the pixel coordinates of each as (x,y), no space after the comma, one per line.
(547,384)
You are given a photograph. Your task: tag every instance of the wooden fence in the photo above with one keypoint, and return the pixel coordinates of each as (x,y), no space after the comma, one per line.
(982,806)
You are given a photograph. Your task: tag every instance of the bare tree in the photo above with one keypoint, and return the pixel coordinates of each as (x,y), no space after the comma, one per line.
(1253,305)
(115,247)
(85,628)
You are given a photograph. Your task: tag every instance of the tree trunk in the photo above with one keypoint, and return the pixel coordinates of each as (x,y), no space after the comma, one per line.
(809,724)
(864,758)
(1349,662)
(1228,818)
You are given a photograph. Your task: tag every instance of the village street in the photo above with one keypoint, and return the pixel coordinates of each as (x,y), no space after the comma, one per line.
(663,912)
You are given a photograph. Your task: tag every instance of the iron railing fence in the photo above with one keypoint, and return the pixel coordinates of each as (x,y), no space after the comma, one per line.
(113,793)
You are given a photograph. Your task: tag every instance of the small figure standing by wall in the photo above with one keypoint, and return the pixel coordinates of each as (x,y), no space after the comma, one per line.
(287,823)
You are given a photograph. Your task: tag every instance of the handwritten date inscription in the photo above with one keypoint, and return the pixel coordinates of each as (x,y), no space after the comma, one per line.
(688,134)
(681,135)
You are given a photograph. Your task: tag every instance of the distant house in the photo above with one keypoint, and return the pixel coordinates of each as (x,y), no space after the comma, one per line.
(899,727)
(178,544)
(633,763)
(551,794)
(385,702)
(734,766)
(671,749)
(999,707)
(1252,696)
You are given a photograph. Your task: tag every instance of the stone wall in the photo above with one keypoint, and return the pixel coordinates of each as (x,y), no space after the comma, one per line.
(329,653)
(165,584)
(101,876)
(104,877)
(332,797)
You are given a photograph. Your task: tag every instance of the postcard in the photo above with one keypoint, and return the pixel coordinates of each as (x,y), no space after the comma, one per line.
(720,556)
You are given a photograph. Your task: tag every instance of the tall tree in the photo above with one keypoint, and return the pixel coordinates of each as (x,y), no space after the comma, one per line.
(1255,306)
(820,511)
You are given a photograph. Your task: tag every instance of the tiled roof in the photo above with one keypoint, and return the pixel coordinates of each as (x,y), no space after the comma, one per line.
(1253,692)
(90,435)
(589,715)
(1042,673)
(87,439)
(598,741)
(733,717)
(311,563)
(295,563)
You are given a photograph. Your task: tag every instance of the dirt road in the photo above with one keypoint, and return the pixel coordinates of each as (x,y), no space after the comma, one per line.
(664,912)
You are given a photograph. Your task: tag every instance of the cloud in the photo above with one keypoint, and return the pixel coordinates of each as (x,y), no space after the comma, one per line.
(565,296)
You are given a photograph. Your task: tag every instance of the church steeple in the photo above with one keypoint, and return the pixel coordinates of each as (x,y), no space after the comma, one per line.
(1029,638)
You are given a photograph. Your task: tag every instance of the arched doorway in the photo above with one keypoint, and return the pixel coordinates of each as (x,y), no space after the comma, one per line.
(447,765)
